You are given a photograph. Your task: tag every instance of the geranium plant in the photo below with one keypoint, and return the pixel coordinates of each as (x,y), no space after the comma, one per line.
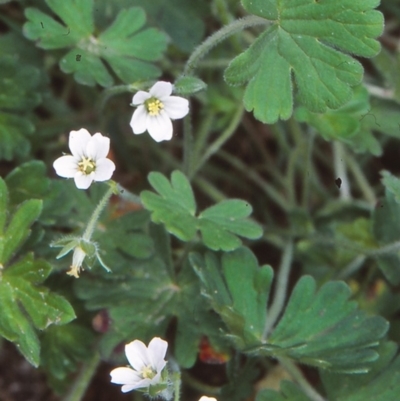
(248,247)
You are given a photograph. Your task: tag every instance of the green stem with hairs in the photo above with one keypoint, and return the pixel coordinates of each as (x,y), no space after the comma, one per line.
(96,214)
(218,37)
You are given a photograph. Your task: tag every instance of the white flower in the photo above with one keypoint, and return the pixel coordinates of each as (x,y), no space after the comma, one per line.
(77,259)
(88,161)
(155,110)
(147,363)
(204,398)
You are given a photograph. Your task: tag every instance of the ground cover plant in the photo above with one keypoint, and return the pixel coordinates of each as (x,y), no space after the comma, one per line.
(201,199)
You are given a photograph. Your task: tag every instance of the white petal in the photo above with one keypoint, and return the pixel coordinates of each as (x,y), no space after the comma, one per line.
(176,107)
(138,121)
(78,141)
(83,181)
(124,376)
(98,147)
(137,355)
(161,90)
(204,398)
(104,170)
(159,127)
(142,384)
(157,350)
(140,97)
(66,166)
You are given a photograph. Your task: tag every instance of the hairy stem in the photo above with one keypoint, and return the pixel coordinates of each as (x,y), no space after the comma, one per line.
(96,214)
(218,37)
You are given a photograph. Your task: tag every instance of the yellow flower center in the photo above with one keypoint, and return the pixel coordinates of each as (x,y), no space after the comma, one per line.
(154,106)
(147,373)
(86,165)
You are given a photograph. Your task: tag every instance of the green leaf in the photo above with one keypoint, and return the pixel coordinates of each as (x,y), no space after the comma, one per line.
(392,184)
(126,46)
(180,19)
(319,328)
(305,46)
(220,224)
(323,328)
(175,207)
(189,85)
(386,229)
(15,229)
(18,96)
(346,123)
(238,290)
(63,348)
(146,286)
(25,305)
(380,384)
(289,392)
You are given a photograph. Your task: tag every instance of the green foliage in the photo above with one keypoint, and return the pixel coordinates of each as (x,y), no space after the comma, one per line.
(380,384)
(302,41)
(18,97)
(386,229)
(320,328)
(323,328)
(125,45)
(25,304)
(238,290)
(189,85)
(289,392)
(148,288)
(175,207)
(63,348)
(346,124)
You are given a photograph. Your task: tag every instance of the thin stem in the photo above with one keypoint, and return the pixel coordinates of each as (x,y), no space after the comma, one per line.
(257,179)
(281,289)
(218,143)
(307,172)
(188,146)
(359,176)
(218,37)
(298,376)
(352,267)
(82,382)
(96,214)
(340,170)
(127,195)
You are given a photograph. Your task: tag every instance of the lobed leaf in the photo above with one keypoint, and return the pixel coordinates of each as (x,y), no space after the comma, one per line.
(18,97)
(346,124)
(238,290)
(380,384)
(319,328)
(175,207)
(323,328)
(306,45)
(125,45)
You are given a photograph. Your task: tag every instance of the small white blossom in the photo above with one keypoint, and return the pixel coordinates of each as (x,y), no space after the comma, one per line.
(204,398)
(155,109)
(88,161)
(147,363)
(77,259)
